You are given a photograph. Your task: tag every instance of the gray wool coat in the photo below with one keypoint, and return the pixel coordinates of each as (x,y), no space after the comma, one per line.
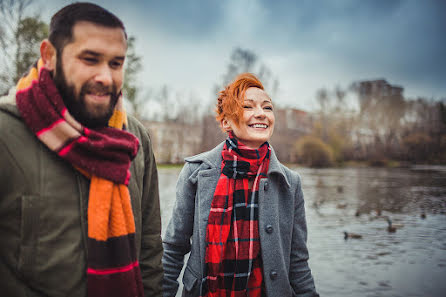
(282,228)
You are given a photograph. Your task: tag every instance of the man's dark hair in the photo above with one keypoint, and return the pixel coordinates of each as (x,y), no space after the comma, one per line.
(62,23)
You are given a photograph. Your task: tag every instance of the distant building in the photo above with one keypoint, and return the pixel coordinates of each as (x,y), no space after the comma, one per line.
(173,141)
(293,119)
(370,90)
(381,110)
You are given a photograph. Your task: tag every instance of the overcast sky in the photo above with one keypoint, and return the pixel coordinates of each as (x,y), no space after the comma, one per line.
(308,45)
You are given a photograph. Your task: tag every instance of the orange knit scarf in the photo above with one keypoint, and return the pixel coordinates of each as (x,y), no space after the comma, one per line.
(113,268)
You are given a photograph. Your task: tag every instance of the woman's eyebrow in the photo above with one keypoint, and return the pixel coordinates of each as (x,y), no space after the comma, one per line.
(252,100)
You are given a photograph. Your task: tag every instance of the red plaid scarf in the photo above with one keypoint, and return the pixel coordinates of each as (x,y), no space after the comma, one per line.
(104,155)
(233,261)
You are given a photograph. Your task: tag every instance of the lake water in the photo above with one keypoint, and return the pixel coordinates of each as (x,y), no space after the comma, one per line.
(410,262)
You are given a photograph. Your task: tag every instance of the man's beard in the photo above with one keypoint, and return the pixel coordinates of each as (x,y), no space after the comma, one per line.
(77,106)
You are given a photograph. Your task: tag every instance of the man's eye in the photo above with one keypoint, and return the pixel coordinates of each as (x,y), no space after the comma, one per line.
(90,60)
(116,65)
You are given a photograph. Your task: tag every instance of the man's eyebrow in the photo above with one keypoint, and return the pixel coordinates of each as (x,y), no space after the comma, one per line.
(96,54)
(90,52)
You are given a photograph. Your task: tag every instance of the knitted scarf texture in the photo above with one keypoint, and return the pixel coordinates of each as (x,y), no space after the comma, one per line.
(233,260)
(104,155)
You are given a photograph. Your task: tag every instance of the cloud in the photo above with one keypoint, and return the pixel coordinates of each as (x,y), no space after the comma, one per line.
(307,44)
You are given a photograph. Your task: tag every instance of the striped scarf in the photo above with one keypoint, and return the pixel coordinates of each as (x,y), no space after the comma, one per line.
(104,155)
(233,260)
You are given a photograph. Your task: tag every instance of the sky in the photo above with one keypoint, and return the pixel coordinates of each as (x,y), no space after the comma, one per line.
(307,45)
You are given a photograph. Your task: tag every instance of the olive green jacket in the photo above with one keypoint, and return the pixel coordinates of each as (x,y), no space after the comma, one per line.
(43,215)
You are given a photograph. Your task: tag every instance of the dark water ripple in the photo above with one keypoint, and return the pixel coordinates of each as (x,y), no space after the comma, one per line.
(409,262)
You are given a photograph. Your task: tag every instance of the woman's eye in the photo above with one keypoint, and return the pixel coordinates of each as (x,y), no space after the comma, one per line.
(246,106)
(269,107)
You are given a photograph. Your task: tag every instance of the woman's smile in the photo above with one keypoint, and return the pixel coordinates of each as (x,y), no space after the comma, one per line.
(256,126)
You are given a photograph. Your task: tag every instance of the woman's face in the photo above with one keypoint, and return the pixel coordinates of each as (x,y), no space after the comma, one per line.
(257,124)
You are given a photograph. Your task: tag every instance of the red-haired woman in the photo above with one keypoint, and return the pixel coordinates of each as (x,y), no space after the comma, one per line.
(239,211)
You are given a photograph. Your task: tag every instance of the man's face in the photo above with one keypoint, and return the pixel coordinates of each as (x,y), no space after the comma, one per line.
(89,72)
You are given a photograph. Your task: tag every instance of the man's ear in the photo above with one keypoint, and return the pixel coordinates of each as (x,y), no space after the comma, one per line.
(226,125)
(49,54)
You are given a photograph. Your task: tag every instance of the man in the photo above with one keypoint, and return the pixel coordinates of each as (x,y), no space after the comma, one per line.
(79,202)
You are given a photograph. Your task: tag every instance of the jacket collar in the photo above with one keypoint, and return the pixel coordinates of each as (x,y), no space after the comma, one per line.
(213,159)
(10,108)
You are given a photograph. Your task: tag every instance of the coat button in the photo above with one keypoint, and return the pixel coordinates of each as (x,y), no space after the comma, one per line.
(265,186)
(269,229)
(273,274)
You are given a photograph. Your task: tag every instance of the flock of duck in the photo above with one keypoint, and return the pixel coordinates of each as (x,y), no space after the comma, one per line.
(391,227)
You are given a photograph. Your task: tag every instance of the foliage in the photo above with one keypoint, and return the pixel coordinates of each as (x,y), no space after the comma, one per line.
(19,40)
(417,146)
(30,32)
(130,86)
(313,152)
(337,144)
(334,121)
(442,111)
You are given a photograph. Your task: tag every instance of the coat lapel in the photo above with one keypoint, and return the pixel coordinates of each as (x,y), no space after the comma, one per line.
(206,177)
(207,182)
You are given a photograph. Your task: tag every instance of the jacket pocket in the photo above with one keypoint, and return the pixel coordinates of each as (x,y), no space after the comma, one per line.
(191,284)
(29,230)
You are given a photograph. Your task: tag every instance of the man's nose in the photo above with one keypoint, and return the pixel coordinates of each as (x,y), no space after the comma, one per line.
(104,75)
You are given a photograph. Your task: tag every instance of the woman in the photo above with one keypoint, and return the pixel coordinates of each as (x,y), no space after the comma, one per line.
(239,211)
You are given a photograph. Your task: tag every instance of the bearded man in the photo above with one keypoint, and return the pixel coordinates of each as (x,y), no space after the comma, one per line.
(79,201)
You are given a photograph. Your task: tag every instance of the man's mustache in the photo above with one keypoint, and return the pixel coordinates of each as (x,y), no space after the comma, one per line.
(99,89)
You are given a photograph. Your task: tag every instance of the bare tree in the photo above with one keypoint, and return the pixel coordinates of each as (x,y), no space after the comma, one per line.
(242,60)
(245,60)
(19,39)
(30,32)
(382,107)
(130,87)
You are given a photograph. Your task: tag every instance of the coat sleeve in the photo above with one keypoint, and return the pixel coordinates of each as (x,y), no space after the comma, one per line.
(177,239)
(300,274)
(151,245)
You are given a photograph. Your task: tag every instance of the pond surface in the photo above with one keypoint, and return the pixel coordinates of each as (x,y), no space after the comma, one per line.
(408,262)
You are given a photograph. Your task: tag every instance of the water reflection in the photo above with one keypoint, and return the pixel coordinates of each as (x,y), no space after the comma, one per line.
(408,262)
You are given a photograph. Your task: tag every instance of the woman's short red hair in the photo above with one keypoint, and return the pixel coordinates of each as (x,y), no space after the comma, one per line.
(230,100)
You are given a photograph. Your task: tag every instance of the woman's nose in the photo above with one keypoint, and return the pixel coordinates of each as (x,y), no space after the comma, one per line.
(259,112)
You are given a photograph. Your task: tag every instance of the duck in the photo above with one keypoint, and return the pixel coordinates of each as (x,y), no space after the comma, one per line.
(348,235)
(341,205)
(423,215)
(391,228)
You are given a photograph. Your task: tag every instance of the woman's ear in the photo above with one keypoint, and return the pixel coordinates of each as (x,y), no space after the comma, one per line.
(226,125)
(48,54)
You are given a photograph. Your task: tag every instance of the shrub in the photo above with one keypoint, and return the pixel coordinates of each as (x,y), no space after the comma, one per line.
(418,146)
(313,152)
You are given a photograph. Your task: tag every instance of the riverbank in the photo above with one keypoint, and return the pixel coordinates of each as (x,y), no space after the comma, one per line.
(348,164)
